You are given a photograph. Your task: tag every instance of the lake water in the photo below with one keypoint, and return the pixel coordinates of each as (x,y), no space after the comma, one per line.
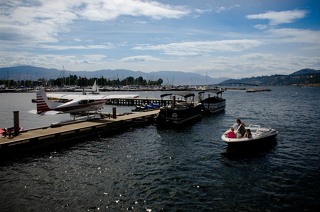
(191,169)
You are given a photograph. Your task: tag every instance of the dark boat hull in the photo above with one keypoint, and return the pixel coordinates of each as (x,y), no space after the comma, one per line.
(168,117)
(213,105)
(255,142)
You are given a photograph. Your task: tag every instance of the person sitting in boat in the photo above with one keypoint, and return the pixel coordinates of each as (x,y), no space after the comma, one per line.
(248,133)
(231,133)
(241,130)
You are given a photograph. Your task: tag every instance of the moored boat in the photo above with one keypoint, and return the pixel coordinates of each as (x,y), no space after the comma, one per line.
(151,106)
(212,104)
(258,135)
(180,112)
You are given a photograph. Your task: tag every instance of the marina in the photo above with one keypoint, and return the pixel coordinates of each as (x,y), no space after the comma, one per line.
(160,106)
(182,109)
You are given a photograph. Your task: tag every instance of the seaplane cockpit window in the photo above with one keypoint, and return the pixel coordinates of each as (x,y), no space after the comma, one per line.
(82,102)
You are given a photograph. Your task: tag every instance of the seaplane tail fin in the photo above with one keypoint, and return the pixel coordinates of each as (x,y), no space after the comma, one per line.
(43,104)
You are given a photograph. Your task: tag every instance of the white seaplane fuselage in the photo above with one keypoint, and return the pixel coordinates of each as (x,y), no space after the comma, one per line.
(68,103)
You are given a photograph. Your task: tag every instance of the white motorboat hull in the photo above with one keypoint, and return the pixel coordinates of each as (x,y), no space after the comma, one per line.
(259,135)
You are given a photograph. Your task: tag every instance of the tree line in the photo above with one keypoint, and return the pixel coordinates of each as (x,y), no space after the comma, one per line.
(74,80)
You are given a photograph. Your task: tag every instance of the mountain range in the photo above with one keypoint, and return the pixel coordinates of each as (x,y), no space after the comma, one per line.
(19,73)
(169,77)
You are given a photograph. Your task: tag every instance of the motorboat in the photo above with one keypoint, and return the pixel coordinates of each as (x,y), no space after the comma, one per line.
(151,106)
(212,104)
(183,110)
(259,135)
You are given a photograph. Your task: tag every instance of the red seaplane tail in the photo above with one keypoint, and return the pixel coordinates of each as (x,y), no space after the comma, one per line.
(42,101)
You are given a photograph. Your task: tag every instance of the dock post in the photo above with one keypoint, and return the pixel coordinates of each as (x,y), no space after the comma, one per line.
(16,125)
(114,112)
(174,101)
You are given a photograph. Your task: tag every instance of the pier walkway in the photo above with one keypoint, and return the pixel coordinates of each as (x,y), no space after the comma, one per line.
(138,101)
(73,130)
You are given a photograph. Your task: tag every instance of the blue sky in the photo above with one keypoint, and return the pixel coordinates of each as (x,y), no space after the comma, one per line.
(218,38)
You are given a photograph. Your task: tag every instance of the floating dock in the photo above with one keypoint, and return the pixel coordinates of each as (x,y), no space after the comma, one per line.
(72,131)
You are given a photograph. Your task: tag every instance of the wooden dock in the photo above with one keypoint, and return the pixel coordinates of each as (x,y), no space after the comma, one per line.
(65,133)
(138,101)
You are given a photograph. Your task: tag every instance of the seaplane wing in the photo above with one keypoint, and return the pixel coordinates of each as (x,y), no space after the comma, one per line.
(61,96)
(70,97)
(121,96)
(82,103)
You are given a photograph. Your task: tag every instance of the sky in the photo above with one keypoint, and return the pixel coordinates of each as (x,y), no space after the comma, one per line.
(216,38)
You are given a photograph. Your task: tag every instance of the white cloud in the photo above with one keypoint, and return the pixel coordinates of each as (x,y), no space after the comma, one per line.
(235,66)
(79,47)
(217,9)
(111,9)
(282,17)
(253,64)
(202,47)
(43,20)
(202,11)
(192,45)
(261,26)
(141,58)
(296,35)
(35,23)
(8,58)
(228,8)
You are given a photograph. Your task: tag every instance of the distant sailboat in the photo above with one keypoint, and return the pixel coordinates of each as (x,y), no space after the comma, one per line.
(95,88)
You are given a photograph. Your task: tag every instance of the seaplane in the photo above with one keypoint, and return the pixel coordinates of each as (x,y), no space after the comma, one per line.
(73,104)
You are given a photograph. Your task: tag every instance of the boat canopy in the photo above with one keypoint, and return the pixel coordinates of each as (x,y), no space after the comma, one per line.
(166,94)
(185,94)
(213,91)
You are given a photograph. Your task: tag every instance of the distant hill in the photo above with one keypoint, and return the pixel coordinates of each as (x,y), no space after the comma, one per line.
(306,71)
(28,73)
(304,76)
(168,77)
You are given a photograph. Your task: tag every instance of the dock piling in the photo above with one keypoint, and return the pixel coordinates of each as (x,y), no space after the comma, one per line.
(114,112)
(16,124)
